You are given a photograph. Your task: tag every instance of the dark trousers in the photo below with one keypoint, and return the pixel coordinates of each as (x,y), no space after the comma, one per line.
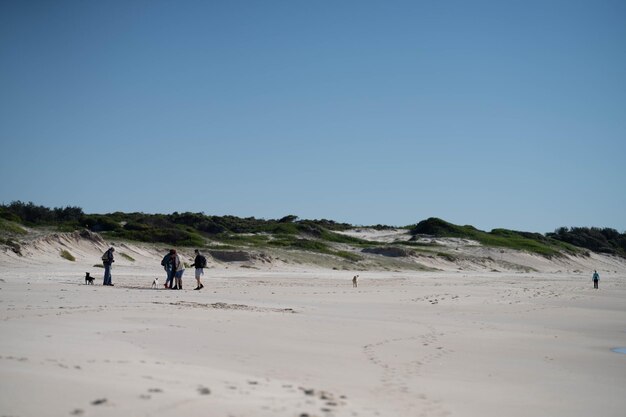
(595,283)
(107,274)
(170,278)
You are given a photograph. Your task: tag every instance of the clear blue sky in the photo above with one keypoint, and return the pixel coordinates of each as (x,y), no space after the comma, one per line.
(491,113)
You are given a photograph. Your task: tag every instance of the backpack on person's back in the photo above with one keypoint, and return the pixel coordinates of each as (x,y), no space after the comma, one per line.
(202,261)
(107,256)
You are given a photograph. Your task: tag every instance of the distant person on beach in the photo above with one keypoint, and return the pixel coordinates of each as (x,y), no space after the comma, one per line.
(354,281)
(199,263)
(166,262)
(596,279)
(107,261)
(178,268)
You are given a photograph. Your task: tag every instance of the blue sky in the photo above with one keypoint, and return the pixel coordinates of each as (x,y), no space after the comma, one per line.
(491,113)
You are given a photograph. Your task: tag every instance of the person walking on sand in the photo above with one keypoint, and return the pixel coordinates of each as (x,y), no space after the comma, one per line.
(166,262)
(179,268)
(107,261)
(199,263)
(596,279)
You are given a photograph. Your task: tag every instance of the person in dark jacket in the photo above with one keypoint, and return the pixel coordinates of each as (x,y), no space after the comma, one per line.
(107,261)
(167,265)
(596,279)
(199,263)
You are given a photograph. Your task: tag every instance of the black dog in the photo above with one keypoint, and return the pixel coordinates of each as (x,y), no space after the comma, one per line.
(88,279)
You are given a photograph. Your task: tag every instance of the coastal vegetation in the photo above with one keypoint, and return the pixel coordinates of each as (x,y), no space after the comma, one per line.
(127,257)
(10,227)
(65,254)
(605,240)
(504,238)
(289,232)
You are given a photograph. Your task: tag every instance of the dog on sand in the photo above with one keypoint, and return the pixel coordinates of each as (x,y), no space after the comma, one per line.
(88,279)
(155,283)
(354,281)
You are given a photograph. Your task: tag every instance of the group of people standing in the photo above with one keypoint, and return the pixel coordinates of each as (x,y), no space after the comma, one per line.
(175,268)
(172,263)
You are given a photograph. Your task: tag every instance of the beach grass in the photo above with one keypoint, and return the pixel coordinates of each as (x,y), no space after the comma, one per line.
(10,227)
(66,255)
(127,257)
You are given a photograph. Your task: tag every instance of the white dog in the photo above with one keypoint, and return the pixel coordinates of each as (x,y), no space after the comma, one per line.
(155,283)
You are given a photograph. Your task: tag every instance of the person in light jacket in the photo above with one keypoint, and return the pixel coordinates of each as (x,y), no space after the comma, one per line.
(179,268)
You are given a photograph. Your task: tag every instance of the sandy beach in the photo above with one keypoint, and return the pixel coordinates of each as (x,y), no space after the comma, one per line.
(464,159)
(297,340)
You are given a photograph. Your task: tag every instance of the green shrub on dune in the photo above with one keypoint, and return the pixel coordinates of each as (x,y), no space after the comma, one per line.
(66,255)
(10,227)
(504,238)
(127,257)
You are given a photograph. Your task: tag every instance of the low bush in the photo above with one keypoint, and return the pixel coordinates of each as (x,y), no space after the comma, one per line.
(448,257)
(351,256)
(127,257)
(10,227)
(66,255)
(15,247)
(100,223)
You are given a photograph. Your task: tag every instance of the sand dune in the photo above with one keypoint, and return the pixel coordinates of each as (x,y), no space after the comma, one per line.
(287,339)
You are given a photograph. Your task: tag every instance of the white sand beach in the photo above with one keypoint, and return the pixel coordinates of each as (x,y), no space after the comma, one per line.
(284,340)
